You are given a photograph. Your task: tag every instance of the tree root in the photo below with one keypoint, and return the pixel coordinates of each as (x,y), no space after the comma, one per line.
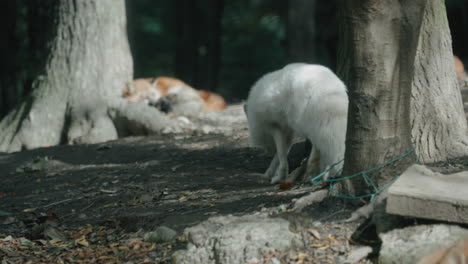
(139,119)
(366,210)
(314,197)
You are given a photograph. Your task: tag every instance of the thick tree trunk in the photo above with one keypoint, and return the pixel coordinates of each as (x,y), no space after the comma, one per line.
(301,31)
(76,98)
(400,75)
(376,57)
(439,128)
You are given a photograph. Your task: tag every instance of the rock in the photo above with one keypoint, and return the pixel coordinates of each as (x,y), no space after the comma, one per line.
(422,193)
(161,234)
(208,129)
(358,254)
(41,164)
(410,244)
(236,239)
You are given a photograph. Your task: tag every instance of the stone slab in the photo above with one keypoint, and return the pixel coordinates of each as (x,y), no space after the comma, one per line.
(422,193)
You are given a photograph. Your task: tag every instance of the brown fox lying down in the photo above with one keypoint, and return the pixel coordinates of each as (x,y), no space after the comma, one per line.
(457,254)
(459,69)
(173,95)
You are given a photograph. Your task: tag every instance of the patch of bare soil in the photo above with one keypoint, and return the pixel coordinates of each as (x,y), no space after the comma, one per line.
(99,196)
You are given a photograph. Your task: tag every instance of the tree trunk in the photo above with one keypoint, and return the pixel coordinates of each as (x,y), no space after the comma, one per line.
(301,31)
(76,98)
(187,40)
(23,48)
(439,128)
(209,62)
(199,42)
(8,53)
(384,53)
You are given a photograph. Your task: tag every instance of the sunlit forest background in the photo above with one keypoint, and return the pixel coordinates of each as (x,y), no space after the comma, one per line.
(218,45)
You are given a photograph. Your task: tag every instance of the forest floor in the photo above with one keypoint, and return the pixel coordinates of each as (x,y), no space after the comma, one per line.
(94,203)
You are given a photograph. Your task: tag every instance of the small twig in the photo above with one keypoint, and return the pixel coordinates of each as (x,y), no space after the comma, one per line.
(81,210)
(335,213)
(61,202)
(314,197)
(88,206)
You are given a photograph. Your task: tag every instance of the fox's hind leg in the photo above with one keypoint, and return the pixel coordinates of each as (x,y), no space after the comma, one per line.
(270,172)
(282,142)
(309,167)
(313,164)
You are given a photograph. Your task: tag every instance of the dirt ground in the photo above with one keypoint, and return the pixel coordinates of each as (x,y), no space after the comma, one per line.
(140,183)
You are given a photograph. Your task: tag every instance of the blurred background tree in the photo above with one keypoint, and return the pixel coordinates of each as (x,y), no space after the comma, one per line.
(226,45)
(220,45)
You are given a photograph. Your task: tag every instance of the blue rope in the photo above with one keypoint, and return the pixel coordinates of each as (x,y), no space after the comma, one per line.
(316,180)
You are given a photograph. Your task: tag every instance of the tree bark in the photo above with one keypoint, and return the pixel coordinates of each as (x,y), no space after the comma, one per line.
(76,96)
(439,128)
(380,60)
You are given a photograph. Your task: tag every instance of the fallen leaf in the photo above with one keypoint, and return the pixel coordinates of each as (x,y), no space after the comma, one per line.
(82,241)
(181,239)
(108,191)
(146,198)
(25,242)
(9,220)
(319,246)
(48,219)
(87,230)
(314,233)
(8,238)
(285,186)
(53,233)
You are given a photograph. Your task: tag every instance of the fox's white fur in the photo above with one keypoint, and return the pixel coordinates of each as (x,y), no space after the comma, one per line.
(303,100)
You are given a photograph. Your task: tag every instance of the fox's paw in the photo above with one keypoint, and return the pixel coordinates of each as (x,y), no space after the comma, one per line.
(279,175)
(268,175)
(275,180)
(299,172)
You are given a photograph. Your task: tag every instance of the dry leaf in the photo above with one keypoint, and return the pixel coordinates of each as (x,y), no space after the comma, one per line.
(82,241)
(285,186)
(314,233)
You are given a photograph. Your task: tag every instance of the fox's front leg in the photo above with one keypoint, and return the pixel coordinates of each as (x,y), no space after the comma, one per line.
(270,172)
(282,146)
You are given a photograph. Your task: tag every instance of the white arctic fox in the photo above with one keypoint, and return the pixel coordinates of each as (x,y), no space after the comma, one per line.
(303,100)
